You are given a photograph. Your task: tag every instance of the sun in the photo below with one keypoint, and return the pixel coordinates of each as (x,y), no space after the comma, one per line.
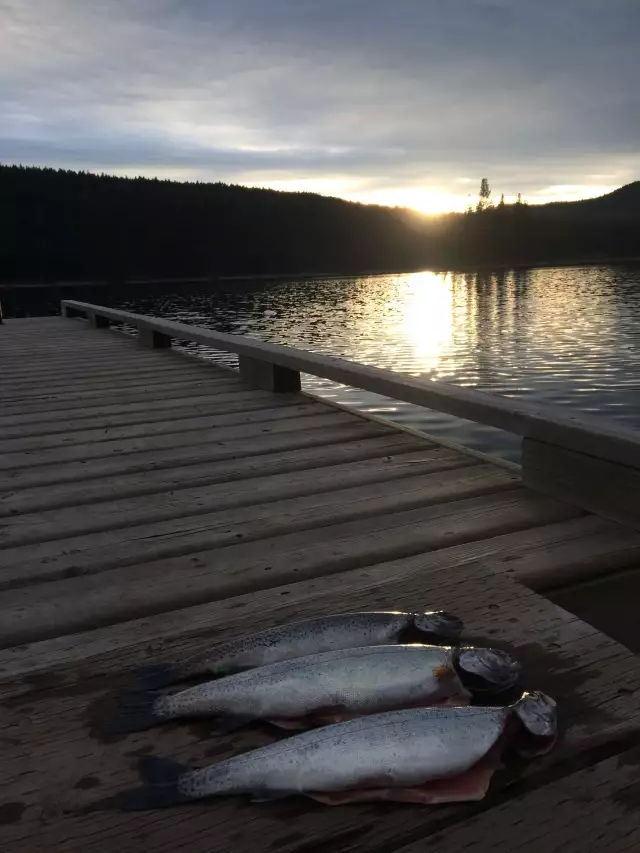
(422,200)
(429,201)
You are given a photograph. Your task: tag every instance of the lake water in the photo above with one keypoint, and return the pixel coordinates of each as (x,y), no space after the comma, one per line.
(568,336)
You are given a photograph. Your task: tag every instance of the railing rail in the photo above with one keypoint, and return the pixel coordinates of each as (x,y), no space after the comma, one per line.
(550,424)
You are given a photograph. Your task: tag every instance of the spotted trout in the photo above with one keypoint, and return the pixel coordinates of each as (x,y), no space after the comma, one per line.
(330,687)
(310,636)
(421,755)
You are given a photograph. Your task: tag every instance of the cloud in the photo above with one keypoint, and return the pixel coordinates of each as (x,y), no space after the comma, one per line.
(365,94)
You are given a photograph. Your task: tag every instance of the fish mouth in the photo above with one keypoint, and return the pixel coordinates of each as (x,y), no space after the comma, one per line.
(487,670)
(438,624)
(537,713)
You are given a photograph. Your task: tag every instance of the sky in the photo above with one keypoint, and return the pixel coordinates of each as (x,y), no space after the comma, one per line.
(402,102)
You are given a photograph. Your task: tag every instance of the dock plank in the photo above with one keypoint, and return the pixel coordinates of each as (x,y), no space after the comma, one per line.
(189,434)
(167,505)
(123,544)
(78,398)
(602,800)
(179,633)
(147,429)
(46,422)
(343,446)
(306,433)
(73,604)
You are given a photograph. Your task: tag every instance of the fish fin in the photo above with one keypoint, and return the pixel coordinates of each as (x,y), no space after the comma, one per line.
(320,717)
(225,724)
(290,724)
(157,675)
(160,771)
(161,776)
(135,712)
(271,796)
(137,698)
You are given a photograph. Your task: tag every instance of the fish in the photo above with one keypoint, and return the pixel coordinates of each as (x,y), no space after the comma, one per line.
(329,687)
(420,755)
(310,636)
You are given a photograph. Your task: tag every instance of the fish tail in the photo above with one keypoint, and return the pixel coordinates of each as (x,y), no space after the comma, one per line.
(135,712)
(162,778)
(157,675)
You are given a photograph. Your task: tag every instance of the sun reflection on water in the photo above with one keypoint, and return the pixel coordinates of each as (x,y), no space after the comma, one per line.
(426,319)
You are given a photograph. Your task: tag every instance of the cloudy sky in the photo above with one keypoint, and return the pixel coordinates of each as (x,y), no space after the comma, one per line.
(393,101)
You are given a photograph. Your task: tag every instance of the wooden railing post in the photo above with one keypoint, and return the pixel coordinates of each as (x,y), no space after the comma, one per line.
(599,485)
(98,321)
(152,339)
(267,376)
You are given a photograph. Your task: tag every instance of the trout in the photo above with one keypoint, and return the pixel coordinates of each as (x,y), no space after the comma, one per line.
(330,687)
(310,636)
(421,755)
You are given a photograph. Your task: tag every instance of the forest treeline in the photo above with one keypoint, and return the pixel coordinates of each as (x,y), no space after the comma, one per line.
(62,225)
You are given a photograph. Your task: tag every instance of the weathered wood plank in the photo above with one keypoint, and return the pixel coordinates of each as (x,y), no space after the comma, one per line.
(88,391)
(113,377)
(63,606)
(130,545)
(82,402)
(307,436)
(179,434)
(608,602)
(347,447)
(606,488)
(591,811)
(118,357)
(143,411)
(195,420)
(615,549)
(179,633)
(174,503)
(30,368)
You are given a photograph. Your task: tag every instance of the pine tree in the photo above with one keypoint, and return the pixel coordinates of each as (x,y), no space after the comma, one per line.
(484,200)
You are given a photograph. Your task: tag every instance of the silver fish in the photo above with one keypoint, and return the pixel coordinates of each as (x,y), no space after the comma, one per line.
(329,687)
(424,755)
(310,636)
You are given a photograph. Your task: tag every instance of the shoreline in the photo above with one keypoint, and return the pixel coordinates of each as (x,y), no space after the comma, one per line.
(468,268)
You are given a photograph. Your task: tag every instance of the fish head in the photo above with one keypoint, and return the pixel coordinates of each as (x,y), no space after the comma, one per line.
(487,670)
(437,626)
(539,730)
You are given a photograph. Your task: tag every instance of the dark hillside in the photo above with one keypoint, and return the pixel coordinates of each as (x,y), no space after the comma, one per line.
(58,225)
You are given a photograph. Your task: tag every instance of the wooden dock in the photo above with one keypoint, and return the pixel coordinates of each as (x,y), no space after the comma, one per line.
(151,504)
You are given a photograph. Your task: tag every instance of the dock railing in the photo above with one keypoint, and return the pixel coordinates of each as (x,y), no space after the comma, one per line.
(581,459)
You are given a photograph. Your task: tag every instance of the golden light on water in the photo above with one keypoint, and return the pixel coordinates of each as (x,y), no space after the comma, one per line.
(426,321)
